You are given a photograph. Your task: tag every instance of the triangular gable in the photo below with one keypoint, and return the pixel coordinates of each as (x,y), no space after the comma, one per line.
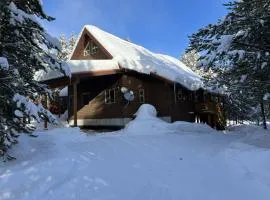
(85,39)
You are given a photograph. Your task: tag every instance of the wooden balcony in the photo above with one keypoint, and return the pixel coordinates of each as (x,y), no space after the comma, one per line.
(206,107)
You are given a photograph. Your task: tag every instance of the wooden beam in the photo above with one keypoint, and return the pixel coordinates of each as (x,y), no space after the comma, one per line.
(75,102)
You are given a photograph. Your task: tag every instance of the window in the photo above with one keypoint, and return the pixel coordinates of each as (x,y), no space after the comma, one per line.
(87,50)
(180,96)
(110,96)
(91,49)
(94,48)
(141,96)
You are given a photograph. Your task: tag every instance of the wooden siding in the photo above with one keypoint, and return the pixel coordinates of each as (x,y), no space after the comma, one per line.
(157,93)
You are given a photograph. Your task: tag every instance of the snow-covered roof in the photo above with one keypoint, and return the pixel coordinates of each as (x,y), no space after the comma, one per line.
(134,57)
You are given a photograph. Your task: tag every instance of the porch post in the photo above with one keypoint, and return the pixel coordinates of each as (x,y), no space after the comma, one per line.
(46,107)
(209,120)
(75,103)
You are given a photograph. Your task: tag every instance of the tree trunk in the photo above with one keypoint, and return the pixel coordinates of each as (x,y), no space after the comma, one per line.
(263,115)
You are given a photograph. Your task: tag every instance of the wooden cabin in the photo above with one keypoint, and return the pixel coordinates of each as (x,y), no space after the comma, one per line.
(112,78)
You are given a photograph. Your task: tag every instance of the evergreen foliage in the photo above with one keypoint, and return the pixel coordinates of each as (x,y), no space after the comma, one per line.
(67,45)
(237,48)
(190,59)
(24,50)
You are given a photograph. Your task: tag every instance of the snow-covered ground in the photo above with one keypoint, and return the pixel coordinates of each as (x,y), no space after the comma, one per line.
(160,162)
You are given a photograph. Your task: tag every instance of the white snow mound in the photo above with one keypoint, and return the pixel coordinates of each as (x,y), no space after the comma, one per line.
(147,123)
(188,127)
(145,112)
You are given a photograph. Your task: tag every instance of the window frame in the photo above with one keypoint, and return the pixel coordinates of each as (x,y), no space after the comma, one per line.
(86,51)
(141,95)
(94,48)
(108,99)
(91,48)
(180,95)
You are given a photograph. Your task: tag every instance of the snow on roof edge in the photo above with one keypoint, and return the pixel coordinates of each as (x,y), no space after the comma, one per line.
(142,60)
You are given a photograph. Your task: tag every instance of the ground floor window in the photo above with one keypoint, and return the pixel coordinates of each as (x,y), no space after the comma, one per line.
(183,96)
(110,96)
(180,95)
(141,96)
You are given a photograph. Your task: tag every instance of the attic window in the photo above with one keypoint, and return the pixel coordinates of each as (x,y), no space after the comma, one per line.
(95,48)
(91,49)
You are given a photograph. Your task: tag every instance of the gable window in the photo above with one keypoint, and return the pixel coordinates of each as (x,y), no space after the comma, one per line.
(141,96)
(110,96)
(91,49)
(87,50)
(94,49)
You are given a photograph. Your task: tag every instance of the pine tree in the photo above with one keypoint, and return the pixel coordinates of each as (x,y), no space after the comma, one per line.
(67,45)
(237,48)
(190,59)
(24,47)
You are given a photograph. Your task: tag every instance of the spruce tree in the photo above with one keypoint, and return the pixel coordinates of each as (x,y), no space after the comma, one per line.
(24,48)
(238,49)
(67,45)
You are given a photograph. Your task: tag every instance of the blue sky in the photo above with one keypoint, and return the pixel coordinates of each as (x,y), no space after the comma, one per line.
(162,26)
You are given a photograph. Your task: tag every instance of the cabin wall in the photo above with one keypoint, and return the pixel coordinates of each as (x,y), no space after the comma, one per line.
(157,93)
(92,109)
(183,111)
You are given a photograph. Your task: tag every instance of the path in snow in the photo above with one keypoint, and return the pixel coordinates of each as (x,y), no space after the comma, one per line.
(66,164)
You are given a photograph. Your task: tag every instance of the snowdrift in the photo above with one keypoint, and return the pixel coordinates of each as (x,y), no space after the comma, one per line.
(147,122)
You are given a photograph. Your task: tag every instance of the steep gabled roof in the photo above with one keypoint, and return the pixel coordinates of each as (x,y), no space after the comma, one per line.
(126,55)
(137,58)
